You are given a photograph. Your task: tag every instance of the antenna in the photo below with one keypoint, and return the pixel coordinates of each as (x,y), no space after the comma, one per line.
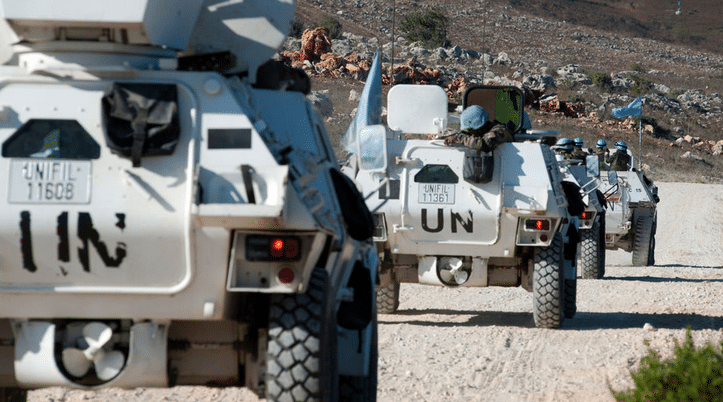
(394,19)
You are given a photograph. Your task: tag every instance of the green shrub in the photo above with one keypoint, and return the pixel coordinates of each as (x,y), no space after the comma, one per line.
(602,81)
(636,67)
(691,375)
(428,27)
(640,85)
(297,29)
(334,27)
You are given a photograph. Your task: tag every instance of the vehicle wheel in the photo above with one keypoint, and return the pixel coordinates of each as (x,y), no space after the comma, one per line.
(642,242)
(547,284)
(570,298)
(388,298)
(301,353)
(13,395)
(590,252)
(362,389)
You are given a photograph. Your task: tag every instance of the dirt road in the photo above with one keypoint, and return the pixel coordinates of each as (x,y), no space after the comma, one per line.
(481,344)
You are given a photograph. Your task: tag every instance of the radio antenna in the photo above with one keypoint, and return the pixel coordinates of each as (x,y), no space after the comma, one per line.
(394,19)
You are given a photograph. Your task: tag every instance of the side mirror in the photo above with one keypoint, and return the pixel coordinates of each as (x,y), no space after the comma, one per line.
(373,148)
(592,166)
(612,177)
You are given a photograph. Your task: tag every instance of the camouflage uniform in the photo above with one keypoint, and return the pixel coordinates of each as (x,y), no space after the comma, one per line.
(620,160)
(485,139)
(603,156)
(578,153)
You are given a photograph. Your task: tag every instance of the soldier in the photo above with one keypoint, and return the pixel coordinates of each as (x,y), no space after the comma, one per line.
(564,147)
(620,160)
(577,151)
(477,132)
(602,153)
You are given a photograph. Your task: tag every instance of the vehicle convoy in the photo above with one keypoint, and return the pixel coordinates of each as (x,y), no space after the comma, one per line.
(452,216)
(583,177)
(175,213)
(631,219)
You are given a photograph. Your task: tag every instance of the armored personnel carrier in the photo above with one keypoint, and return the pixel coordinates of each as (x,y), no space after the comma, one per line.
(174,212)
(632,218)
(441,220)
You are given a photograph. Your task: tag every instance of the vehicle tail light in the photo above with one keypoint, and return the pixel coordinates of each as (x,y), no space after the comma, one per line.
(537,224)
(273,248)
(586,215)
(286,275)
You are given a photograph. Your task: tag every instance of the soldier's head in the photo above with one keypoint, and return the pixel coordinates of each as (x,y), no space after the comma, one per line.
(564,145)
(601,143)
(473,118)
(621,146)
(578,142)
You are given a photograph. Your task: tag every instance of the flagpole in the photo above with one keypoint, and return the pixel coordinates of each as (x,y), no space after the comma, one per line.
(640,143)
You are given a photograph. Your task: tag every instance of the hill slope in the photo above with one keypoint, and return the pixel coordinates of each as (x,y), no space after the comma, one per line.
(642,44)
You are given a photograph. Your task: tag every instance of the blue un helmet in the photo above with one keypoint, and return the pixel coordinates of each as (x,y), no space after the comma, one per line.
(601,143)
(578,142)
(473,117)
(621,145)
(565,144)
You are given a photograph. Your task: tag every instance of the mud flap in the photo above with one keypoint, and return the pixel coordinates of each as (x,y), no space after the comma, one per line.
(575,204)
(358,218)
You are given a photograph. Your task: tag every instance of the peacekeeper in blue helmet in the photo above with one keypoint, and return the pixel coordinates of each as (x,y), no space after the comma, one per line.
(564,147)
(620,160)
(577,151)
(602,153)
(478,132)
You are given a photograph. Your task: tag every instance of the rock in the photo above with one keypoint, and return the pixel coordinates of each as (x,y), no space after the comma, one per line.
(649,327)
(353,96)
(321,103)
(690,155)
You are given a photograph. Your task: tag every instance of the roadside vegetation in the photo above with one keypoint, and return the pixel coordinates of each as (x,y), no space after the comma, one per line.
(692,374)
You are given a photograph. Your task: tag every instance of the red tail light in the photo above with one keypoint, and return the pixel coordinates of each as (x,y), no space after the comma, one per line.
(537,224)
(273,248)
(286,275)
(586,215)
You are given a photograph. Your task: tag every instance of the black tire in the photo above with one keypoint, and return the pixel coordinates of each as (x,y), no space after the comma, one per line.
(302,346)
(362,389)
(570,298)
(547,284)
(603,249)
(643,241)
(590,252)
(387,298)
(13,395)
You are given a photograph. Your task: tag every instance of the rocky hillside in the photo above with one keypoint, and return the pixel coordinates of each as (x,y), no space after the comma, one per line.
(561,63)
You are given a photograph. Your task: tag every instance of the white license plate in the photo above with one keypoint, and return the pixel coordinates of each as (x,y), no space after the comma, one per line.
(49,181)
(436,193)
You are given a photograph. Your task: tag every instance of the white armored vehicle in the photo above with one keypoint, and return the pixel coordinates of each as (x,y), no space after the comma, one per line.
(632,218)
(174,213)
(444,218)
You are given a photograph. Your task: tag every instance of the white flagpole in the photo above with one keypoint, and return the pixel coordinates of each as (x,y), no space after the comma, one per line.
(640,142)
